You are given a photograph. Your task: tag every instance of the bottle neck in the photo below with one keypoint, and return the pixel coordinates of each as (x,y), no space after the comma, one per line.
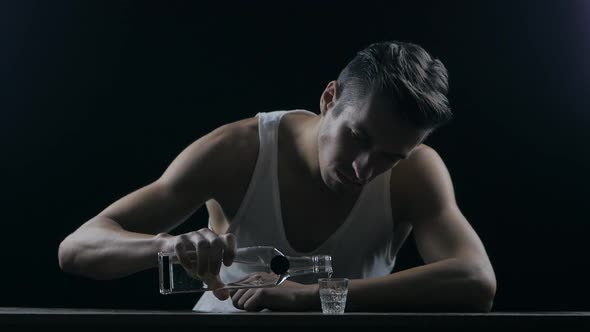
(309,265)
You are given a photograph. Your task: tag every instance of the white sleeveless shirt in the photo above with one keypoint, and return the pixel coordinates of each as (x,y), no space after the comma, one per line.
(364,246)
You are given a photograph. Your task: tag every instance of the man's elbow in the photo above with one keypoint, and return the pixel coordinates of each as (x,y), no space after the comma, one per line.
(71,258)
(483,292)
(65,257)
(489,293)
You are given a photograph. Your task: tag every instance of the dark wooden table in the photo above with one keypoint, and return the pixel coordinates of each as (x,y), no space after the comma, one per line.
(27,319)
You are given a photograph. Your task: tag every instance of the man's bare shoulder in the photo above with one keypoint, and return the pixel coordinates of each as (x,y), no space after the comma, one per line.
(224,155)
(423,159)
(236,148)
(239,137)
(421,179)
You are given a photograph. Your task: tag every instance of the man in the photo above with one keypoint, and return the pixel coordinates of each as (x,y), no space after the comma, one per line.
(351,182)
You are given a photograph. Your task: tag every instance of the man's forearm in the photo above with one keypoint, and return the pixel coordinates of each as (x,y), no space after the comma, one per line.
(447,285)
(101,249)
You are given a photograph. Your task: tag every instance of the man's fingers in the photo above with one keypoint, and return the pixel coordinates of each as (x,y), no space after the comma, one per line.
(221,294)
(186,255)
(241,301)
(236,294)
(203,254)
(254,302)
(229,252)
(216,285)
(215,251)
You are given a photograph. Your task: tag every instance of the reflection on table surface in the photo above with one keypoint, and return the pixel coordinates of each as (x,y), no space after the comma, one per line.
(16,318)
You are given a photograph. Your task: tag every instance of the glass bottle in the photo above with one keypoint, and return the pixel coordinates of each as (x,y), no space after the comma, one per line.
(253,267)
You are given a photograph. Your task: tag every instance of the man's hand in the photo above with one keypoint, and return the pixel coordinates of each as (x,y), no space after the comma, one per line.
(201,252)
(289,296)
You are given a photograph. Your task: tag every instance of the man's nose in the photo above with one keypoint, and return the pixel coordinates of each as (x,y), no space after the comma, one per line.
(362,168)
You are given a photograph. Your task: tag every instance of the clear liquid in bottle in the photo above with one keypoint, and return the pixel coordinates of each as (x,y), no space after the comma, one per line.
(253,267)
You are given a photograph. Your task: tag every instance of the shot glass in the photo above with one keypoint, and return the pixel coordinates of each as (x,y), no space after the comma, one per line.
(333,292)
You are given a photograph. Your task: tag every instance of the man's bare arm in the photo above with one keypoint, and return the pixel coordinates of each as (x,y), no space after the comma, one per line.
(457,275)
(126,236)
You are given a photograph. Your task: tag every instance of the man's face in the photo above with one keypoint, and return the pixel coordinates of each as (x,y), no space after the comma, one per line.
(362,140)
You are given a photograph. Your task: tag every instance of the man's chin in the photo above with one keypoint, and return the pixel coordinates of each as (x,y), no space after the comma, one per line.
(332,184)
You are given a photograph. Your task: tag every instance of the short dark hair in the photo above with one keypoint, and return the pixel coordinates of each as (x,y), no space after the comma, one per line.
(406,74)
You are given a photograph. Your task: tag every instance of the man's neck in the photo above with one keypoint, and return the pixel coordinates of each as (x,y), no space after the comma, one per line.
(302,136)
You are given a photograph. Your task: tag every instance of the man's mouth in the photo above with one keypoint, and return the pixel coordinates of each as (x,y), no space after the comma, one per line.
(347,179)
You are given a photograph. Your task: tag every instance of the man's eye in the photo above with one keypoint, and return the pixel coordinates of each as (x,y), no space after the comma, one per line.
(356,135)
(363,141)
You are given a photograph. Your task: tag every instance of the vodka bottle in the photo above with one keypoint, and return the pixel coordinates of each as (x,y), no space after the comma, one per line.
(253,267)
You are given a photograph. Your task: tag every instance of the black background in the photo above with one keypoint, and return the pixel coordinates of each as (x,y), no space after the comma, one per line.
(98,98)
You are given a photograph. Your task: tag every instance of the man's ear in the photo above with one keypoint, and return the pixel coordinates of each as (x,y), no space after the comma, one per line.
(329,96)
